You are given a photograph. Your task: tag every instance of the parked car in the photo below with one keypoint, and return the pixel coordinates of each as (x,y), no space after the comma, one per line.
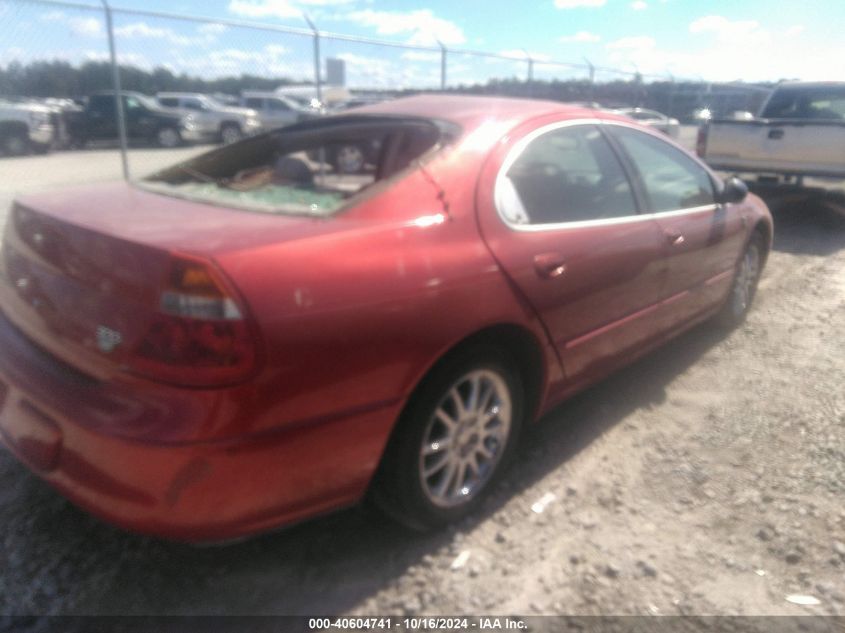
(654,119)
(275,110)
(799,131)
(242,340)
(25,127)
(145,121)
(211,119)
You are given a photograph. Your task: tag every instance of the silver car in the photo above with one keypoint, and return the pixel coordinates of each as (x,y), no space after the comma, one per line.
(652,118)
(211,120)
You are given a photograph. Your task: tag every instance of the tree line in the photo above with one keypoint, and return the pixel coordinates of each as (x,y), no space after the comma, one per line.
(62,79)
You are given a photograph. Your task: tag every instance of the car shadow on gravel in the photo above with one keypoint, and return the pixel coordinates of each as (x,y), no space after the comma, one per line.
(807,221)
(63,561)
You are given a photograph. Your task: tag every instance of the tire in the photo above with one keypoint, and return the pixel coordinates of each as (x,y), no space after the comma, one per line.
(349,159)
(744,286)
(41,148)
(427,478)
(168,137)
(14,143)
(230,133)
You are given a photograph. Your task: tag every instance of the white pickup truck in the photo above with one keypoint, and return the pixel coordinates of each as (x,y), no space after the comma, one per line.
(25,126)
(800,131)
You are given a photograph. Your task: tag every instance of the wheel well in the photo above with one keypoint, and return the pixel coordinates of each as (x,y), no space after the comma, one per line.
(519,344)
(225,124)
(523,349)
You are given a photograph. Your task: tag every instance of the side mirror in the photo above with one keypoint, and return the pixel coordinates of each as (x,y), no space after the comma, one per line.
(734,190)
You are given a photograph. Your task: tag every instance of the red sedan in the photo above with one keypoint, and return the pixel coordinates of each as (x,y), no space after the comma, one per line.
(250,338)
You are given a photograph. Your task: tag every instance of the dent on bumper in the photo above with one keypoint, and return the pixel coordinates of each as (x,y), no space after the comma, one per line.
(189,491)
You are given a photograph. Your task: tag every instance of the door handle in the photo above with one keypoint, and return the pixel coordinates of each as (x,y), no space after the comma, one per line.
(549,265)
(675,238)
(776,134)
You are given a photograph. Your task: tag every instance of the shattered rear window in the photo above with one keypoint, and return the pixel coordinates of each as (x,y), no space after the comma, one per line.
(313,168)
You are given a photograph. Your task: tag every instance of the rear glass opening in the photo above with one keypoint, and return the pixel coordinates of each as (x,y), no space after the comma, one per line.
(312,168)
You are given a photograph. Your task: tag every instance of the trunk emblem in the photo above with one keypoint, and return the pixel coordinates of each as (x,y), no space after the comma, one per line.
(107,338)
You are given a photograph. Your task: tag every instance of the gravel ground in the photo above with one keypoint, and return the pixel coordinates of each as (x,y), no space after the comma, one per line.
(707,478)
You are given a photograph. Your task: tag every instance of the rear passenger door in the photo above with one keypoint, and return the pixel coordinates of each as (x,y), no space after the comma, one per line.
(701,239)
(558,211)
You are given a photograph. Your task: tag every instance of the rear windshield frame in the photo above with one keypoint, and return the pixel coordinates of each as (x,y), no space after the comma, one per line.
(329,129)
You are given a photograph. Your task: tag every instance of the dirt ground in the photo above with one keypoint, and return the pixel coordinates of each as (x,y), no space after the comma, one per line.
(708,478)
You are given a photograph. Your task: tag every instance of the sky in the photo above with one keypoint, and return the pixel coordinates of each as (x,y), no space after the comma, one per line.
(715,40)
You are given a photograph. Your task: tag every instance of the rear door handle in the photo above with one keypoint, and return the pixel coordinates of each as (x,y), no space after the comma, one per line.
(776,134)
(549,265)
(675,238)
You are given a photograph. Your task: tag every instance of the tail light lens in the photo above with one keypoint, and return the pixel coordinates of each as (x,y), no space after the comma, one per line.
(701,141)
(199,336)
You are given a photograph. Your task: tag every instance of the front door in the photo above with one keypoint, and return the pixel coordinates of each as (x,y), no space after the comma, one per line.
(702,239)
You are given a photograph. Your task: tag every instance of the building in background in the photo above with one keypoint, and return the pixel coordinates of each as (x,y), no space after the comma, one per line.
(335,71)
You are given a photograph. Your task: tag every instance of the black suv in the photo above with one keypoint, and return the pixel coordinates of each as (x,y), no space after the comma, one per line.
(145,121)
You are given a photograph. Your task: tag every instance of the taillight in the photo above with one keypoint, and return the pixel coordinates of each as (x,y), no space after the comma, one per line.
(199,336)
(701,140)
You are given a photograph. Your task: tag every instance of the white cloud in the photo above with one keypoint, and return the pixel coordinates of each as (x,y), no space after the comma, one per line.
(639,5)
(422,26)
(52,16)
(575,4)
(212,29)
(86,27)
(265,9)
(580,36)
(377,72)
(421,56)
(278,8)
(142,30)
(634,42)
(724,29)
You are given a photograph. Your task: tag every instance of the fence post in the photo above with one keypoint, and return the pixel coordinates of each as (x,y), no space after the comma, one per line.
(671,105)
(443,52)
(530,61)
(317,81)
(118,100)
(592,70)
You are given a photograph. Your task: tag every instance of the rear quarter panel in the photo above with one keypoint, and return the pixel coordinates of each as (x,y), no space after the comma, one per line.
(354,318)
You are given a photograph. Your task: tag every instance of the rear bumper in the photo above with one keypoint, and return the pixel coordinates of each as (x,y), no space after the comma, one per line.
(57,423)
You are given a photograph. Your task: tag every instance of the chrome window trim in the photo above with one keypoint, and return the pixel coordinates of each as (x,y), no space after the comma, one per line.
(517,150)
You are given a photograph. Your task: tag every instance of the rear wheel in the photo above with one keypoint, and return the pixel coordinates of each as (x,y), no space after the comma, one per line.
(455,437)
(349,159)
(744,286)
(230,133)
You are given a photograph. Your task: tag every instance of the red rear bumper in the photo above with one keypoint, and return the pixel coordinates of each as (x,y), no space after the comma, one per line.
(56,422)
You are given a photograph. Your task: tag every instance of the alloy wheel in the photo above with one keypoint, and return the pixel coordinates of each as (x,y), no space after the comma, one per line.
(465,438)
(746,279)
(350,159)
(168,137)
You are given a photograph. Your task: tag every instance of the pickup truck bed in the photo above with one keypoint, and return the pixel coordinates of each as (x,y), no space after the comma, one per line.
(801,132)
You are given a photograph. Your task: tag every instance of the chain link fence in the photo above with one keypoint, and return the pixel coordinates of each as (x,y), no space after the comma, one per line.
(56,53)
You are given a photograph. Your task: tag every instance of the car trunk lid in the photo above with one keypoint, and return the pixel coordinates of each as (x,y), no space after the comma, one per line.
(82,271)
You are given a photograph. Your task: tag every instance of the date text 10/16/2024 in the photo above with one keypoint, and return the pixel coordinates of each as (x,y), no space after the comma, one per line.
(416,624)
